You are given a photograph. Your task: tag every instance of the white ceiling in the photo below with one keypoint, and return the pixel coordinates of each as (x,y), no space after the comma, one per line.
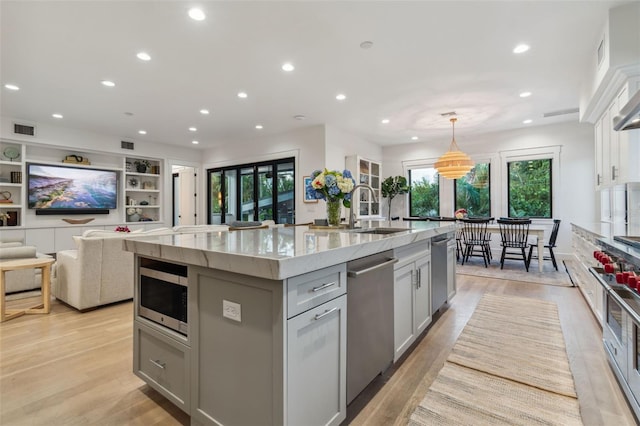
(428,57)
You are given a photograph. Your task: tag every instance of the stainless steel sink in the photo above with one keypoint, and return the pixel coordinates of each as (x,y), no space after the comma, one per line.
(380,231)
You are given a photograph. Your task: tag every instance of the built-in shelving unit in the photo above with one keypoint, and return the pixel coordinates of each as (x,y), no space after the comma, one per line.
(11,186)
(366,172)
(143,181)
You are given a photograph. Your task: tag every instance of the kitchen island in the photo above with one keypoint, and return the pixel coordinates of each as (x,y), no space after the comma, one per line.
(265,338)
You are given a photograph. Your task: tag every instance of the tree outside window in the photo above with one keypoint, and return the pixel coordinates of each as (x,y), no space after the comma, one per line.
(529,188)
(424,198)
(473,191)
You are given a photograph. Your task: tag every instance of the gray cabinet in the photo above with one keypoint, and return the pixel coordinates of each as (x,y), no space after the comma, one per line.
(411,295)
(163,363)
(316,365)
(451,269)
(283,349)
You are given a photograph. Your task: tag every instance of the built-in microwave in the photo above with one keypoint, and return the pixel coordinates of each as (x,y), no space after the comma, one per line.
(162,293)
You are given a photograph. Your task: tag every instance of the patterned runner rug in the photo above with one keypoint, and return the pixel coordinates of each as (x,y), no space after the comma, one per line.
(509,366)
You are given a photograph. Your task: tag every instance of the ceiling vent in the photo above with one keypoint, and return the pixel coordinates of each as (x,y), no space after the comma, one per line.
(561,112)
(126,145)
(24,129)
(448,114)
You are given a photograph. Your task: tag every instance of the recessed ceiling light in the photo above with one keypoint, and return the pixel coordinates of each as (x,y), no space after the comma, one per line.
(193,129)
(521,48)
(341,97)
(196,14)
(56,115)
(525,94)
(130,114)
(144,56)
(287,66)
(195,142)
(259,126)
(385,121)
(142,132)
(299,117)
(528,121)
(366,44)
(204,111)
(414,138)
(11,87)
(108,83)
(242,95)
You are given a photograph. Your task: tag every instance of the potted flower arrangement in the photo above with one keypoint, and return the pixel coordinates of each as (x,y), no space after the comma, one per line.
(122,229)
(392,186)
(133,214)
(335,188)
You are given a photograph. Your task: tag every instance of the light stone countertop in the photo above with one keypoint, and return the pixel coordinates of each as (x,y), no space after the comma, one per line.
(281,252)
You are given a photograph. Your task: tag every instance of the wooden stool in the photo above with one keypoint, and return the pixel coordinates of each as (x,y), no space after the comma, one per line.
(43,263)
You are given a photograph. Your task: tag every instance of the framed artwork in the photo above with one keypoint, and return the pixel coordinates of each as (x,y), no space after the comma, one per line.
(307,180)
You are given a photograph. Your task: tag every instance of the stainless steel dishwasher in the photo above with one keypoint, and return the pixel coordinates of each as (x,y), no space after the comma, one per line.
(369,320)
(442,255)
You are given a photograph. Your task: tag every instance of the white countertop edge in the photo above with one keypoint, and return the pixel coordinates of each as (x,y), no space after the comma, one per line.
(201,250)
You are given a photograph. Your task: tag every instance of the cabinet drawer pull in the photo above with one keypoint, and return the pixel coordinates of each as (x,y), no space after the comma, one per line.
(322,287)
(158,363)
(318,316)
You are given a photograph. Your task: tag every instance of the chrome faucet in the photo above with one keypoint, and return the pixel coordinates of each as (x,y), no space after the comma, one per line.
(352,216)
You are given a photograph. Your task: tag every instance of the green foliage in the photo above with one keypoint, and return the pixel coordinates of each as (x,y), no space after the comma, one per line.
(425,198)
(530,188)
(394,185)
(473,191)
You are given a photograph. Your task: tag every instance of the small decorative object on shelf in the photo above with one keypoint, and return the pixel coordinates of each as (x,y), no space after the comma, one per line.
(76,159)
(142,165)
(335,188)
(122,229)
(133,182)
(3,218)
(12,220)
(16,177)
(5,197)
(133,214)
(11,152)
(393,186)
(148,185)
(144,203)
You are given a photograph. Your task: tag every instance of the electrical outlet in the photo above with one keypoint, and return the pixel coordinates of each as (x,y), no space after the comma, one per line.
(232,310)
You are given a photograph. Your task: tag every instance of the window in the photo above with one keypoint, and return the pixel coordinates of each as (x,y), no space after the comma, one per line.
(473,191)
(248,192)
(424,197)
(529,188)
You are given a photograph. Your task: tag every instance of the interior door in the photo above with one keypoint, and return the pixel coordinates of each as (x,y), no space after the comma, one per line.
(187,199)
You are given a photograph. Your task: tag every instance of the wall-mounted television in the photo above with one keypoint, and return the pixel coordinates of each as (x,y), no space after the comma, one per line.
(65,189)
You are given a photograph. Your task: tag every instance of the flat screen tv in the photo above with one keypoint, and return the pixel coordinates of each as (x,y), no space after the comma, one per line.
(65,189)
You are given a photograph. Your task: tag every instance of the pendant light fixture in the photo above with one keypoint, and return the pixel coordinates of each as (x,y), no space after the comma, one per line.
(454,163)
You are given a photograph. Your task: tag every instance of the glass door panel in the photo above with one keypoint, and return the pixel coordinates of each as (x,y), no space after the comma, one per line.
(215,198)
(247,202)
(230,195)
(265,192)
(285,190)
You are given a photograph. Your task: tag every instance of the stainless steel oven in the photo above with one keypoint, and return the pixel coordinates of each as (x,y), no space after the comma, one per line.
(162,293)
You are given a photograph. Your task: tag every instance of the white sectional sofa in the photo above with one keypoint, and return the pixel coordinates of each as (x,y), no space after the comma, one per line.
(99,271)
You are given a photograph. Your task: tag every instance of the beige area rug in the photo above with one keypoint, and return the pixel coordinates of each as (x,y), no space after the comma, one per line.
(514,271)
(509,366)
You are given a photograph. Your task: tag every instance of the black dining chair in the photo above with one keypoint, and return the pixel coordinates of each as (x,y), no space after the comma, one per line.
(549,246)
(514,234)
(475,239)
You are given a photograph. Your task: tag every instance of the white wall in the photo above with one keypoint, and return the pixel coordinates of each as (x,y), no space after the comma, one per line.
(575,199)
(306,145)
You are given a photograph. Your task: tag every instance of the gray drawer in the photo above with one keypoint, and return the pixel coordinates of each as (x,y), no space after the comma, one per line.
(163,364)
(310,290)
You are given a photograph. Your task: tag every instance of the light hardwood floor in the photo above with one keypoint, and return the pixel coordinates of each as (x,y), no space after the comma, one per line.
(68,368)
